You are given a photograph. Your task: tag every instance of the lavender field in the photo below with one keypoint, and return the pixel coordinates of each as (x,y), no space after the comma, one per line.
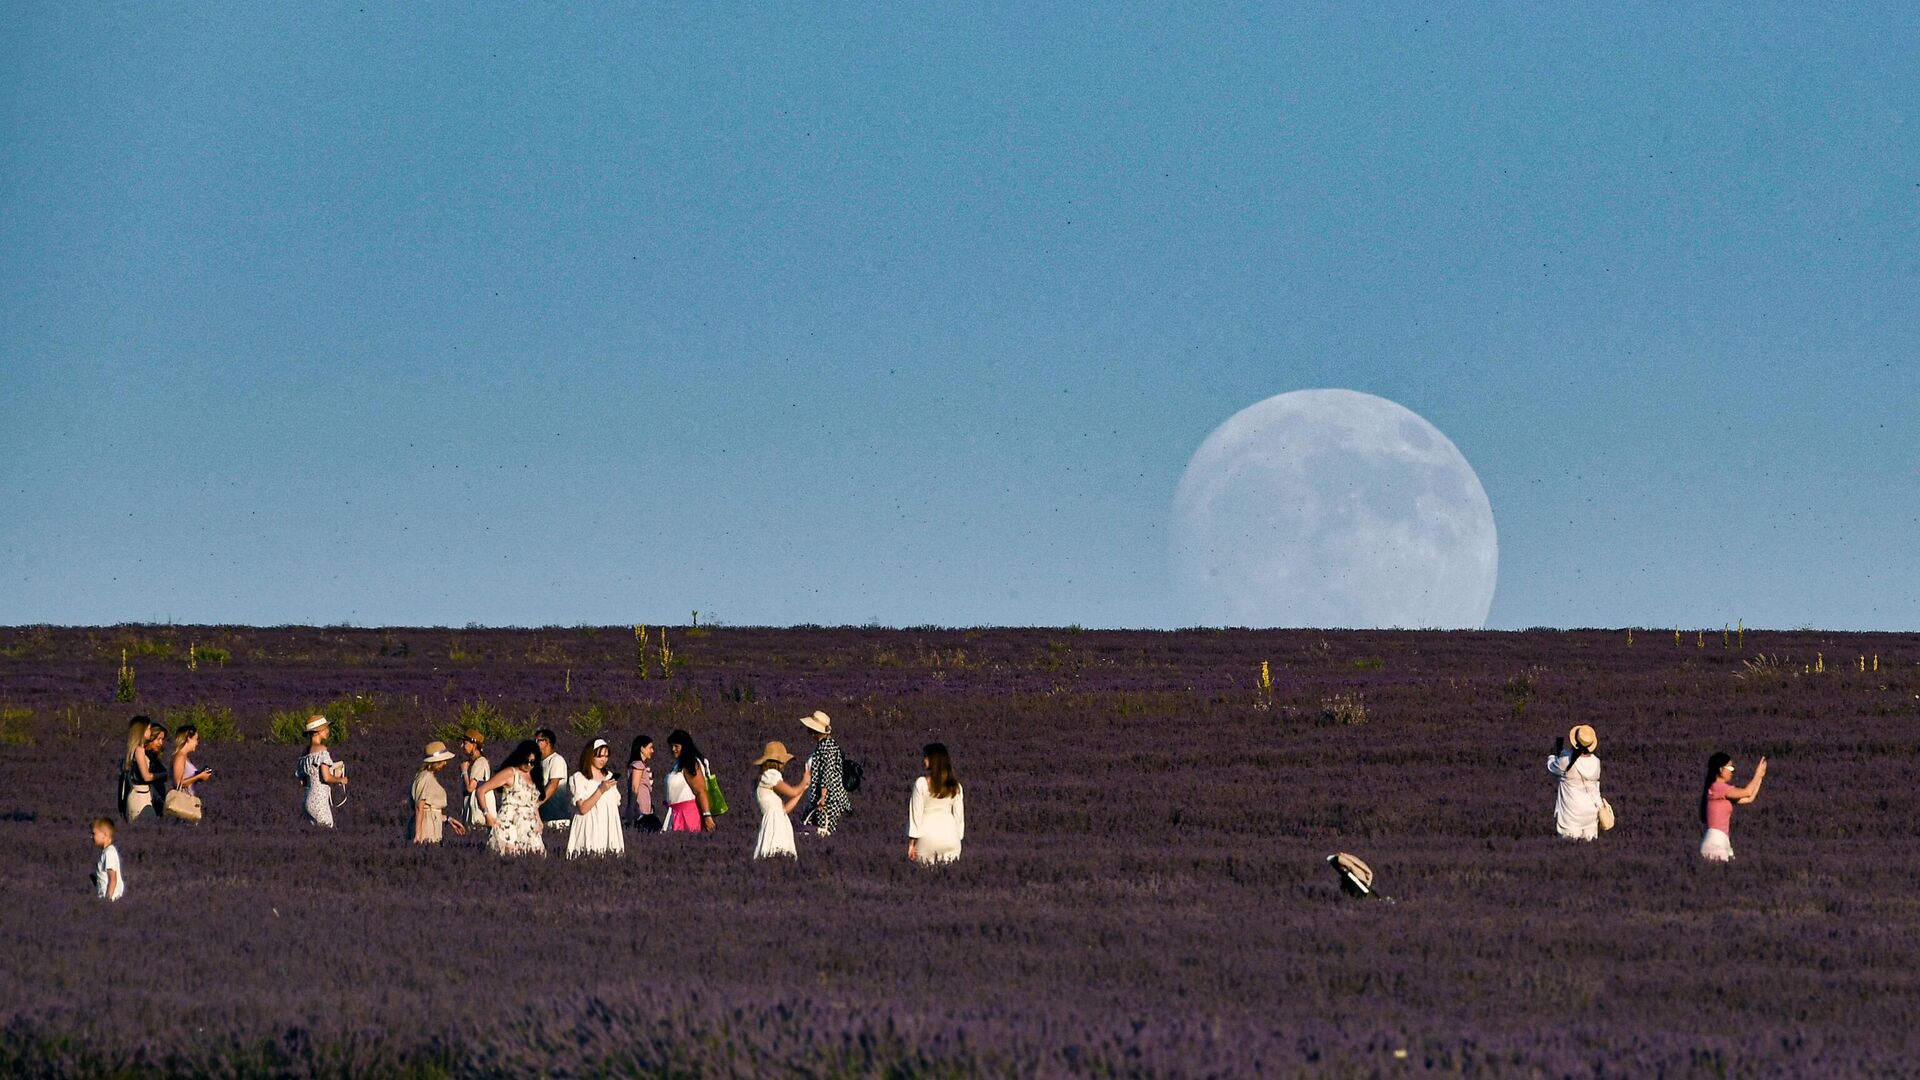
(1142,890)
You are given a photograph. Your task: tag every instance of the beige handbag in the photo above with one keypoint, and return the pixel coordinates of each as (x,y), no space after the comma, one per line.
(1606,815)
(184,806)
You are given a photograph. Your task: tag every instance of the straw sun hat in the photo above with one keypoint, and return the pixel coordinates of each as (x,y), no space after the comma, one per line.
(774,753)
(474,736)
(436,751)
(1583,737)
(315,723)
(819,722)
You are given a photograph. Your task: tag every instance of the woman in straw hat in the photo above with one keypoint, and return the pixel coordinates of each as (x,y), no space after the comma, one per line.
(430,799)
(937,813)
(777,799)
(825,777)
(320,772)
(514,829)
(475,772)
(1576,809)
(1717,797)
(595,794)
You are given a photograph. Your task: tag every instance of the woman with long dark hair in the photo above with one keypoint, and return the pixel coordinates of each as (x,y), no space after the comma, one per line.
(514,829)
(1717,796)
(937,813)
(687,808)
(640,784)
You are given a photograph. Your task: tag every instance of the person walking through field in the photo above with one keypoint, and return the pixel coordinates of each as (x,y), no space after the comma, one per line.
(1576,807)
(428,799)
(937,812)
(640,784)
(320,773)
(474,772)
(776,798)
(595,794)
(556,805)
(514,827)
(187,776)
(687,802)
(1717,796)
(109,880)
(826,803)
(143,777)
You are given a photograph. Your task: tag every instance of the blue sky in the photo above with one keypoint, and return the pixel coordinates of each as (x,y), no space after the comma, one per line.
(422,314)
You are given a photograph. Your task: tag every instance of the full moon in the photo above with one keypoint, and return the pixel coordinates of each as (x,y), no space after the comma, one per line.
(1333,508)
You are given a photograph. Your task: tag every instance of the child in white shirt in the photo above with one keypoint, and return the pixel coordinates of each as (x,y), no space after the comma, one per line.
(108,882)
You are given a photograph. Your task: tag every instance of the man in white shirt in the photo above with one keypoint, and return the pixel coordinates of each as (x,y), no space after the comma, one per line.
(556,806)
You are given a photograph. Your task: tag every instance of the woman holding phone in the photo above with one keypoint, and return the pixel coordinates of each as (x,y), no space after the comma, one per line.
(186,775)
(595,793)
(1717,796)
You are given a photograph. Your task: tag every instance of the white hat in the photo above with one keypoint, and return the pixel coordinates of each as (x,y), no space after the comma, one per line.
(819,722)
(316,723)
(595,745)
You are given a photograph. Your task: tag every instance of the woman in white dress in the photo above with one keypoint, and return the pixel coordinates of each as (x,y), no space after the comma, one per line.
(777,798)
(937,813)
(595,793)
(321,774)
(514,827)
(1576,809)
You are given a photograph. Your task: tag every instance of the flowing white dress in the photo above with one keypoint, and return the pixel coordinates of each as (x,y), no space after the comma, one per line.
(1576,808)
(596,832)
(776,829)
(936,826)
(519,817)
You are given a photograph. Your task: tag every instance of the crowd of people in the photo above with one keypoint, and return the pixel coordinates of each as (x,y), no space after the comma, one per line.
(532,799)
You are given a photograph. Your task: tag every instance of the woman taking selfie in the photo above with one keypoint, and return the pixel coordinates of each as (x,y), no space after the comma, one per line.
(1717,796)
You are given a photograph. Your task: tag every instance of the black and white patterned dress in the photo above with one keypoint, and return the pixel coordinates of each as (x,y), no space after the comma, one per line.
(826,802)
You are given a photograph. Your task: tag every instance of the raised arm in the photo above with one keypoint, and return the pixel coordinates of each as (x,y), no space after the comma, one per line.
(1745,795)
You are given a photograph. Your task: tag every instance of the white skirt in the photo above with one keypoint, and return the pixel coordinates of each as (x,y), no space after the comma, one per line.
(1717,846)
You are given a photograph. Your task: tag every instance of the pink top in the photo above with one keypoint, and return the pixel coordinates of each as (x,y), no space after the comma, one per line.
(1719,807)
(641,783)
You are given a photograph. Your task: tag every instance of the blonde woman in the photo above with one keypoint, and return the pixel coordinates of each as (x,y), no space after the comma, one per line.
(430,799)
(937,813)
(321,773)
(142,776)
(186,775)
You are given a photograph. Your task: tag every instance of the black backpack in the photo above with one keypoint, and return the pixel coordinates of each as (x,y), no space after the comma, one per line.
(851,773)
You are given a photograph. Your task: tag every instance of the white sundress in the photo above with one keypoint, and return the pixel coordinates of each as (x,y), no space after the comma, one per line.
(598,831)
(319,795)
(776,829)
(1576,803)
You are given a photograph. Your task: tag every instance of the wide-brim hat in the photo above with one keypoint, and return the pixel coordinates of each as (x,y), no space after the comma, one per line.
(436,751)
(775,752)
(1583,737)
(315,723)
(1358,875)
(819,722)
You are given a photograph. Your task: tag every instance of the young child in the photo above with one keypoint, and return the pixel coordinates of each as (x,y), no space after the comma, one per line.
(108,882)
